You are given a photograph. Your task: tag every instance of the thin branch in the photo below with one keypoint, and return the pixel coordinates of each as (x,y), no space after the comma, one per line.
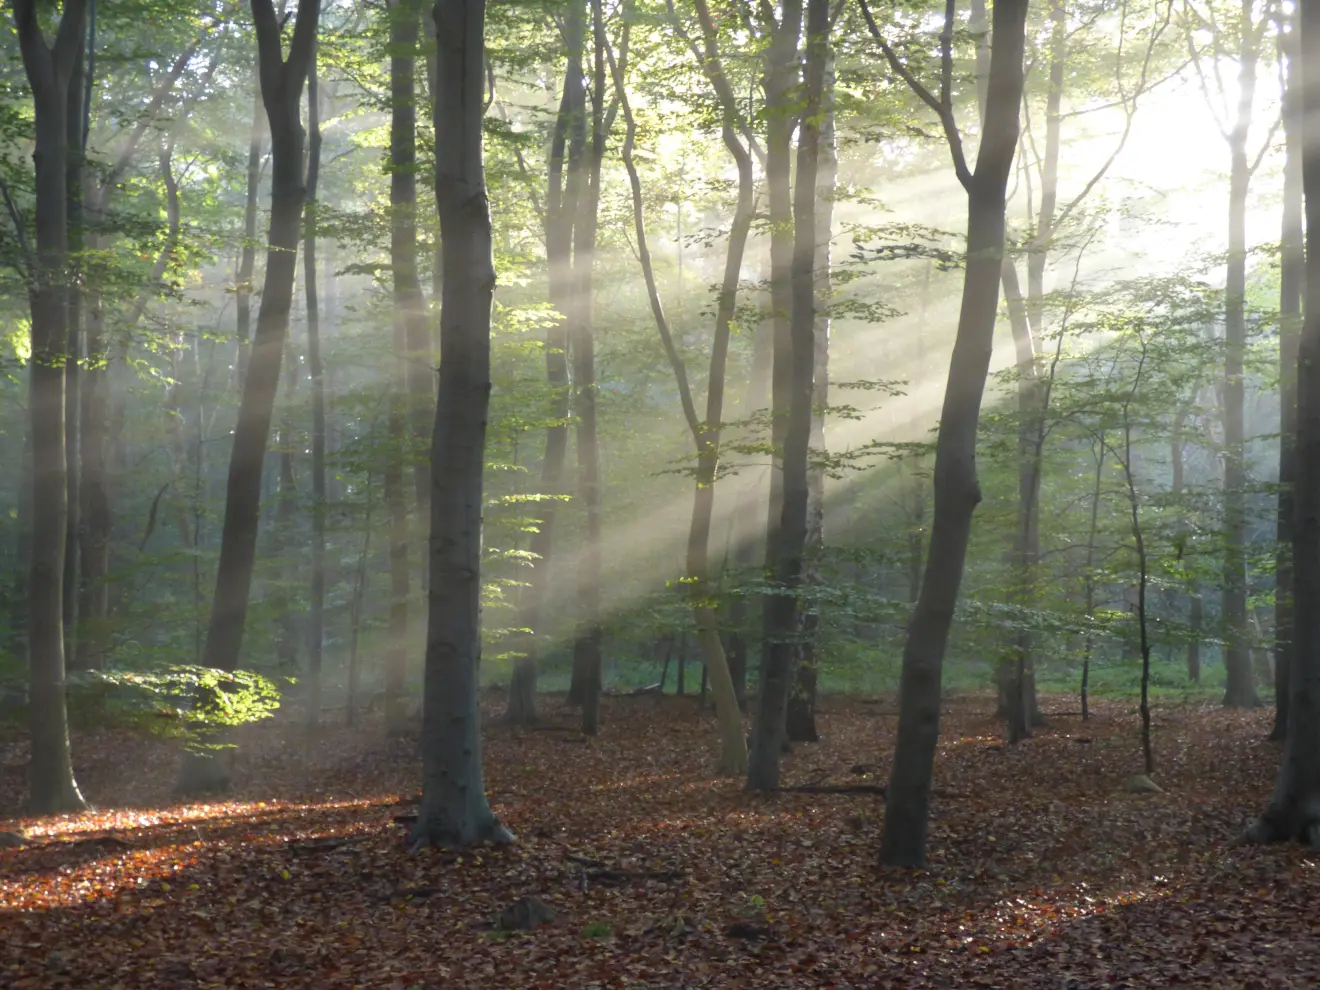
(20,231)
(941,107)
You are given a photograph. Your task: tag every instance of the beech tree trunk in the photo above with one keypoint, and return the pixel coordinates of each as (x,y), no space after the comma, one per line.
(248,257)
(49,69)
(75,123)
(561,210)
(956,488)
(281,87)
(1293,811)
(587,641)
(801,720)
(1291,277)
(781,618)
(1240,691)
(315,366)
(454,810)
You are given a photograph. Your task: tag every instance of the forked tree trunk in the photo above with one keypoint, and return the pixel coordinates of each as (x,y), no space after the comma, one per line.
(281,86)
(957,492)
(800,725)
(49,68)
(781,618)
(316,368)
(1292,273)
(454,810)
(1293,811)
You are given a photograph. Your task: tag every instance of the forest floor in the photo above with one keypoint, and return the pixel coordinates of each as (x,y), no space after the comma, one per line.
(1043,872)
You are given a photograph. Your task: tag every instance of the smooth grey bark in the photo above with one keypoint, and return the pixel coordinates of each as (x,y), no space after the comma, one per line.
(587,638)
(1291,276)
(316,369)
(789,534)
(1293,811)
(561,210)
(282,83)
(1240,691)
(800,723)
(454,809)
(49,68)
(956,489)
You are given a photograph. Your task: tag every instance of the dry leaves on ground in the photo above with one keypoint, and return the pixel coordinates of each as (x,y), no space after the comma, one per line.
(648,873)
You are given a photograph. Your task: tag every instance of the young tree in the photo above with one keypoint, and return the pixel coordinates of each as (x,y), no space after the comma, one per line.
(282,81)
(957,491)
(454,808)
(1293,811)
(49,68)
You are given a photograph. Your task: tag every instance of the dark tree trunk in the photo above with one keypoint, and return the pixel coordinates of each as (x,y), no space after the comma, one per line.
(49,69)
(789,536)
(454,809)
(957,491)
(315,366)
(281,86)
(1293,811)
(1241,687)
(75,123)
(1292,275)
(587,640)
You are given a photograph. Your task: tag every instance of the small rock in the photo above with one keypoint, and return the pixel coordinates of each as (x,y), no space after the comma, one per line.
(1139,783)
(525,915)
(12,840)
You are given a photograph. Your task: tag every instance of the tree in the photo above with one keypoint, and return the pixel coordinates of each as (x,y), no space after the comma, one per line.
(788,535)
(454,808)
(956,489)
(316,368)
(282,82)
(49,68)
(1293,811)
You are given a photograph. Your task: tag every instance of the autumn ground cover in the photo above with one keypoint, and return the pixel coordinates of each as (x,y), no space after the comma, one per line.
(1043,872)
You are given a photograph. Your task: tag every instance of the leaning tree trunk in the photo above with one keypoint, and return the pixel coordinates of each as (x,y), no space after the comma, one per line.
(49,68)
(454,809)
(315,367)
(1293,811)
(1291,276)
(781,617)
(957,491)
(800,725)
(1240,691)
(281,87)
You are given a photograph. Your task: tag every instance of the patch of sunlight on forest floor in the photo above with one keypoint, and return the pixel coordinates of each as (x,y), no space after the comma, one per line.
(1042,872)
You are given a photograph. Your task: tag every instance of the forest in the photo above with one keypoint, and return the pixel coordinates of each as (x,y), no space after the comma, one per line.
(659,493)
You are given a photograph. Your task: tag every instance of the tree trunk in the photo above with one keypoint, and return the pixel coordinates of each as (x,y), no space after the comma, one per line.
(1292,274)
(781,617)
(409,327)
(75,124)
(1241,687)
(248,258)
(801,719)
(315,366)
(454,810)
(957,491)
(49,69)
(587,641)
(281,86)
(1293,811)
